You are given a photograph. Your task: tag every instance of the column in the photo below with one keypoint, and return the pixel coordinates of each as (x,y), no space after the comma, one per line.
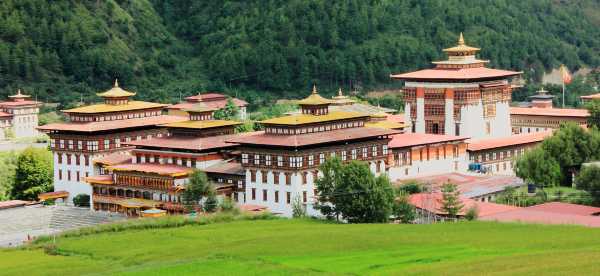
(449,125)
(420,121)
(407,118)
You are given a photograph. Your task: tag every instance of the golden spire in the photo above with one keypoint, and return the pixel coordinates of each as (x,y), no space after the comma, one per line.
(461,39)
(116,82)
(314,91)
(19,92)
(340,92)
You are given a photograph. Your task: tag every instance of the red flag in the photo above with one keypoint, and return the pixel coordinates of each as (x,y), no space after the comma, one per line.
(566,76)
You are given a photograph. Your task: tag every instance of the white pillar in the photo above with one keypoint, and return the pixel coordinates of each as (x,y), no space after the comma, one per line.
(420,122)
(407,118)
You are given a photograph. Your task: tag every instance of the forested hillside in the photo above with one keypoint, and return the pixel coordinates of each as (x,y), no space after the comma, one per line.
(65,50)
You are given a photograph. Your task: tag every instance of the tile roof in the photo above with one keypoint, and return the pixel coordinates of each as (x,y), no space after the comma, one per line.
(527,215)
(455,74)
(592,96)
(4,114)
(518,139)
(417,139)
(111,125)
(188,143)
(566,208)
(261,138)
(100,179)
(233,168)
(386,124)
(12,204)
(300,119)
(104,108)
(202,124)
(471,186)
(432,202)
(160,169)
(53,195)
(555,112)
(19,103)
(398,118)
(116,92)
(114,158)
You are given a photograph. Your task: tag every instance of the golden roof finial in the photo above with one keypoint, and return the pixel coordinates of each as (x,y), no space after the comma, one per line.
(461,39)
(340,92)
(19,92)
(314,91)
(116,82)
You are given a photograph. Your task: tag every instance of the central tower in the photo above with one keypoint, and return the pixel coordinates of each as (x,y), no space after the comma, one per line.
(459,96)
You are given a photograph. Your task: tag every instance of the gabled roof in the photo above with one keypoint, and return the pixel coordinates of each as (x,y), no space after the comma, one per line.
(231,168)
(188,143)
(431,202)
(264,139)
(314,99)
(114,158)
(464,74)
(202,124)
(518,139)
(217,104)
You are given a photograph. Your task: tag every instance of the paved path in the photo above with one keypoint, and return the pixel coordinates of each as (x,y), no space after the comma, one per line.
(19,223)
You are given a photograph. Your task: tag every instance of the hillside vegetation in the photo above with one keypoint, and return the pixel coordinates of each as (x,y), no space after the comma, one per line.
(300,247)
(64,51)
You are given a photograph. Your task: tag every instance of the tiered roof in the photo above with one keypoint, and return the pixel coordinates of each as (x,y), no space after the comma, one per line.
(518,139)
(187,143)
(314,99)
(116,92)
(211,100)
(301,119)
(462,65)
(19,100)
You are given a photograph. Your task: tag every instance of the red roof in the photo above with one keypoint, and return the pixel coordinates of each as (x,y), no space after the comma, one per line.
(211,100)
(261,138)
(471,186)
(432,202)
(100,178)
(115,158)
(19,103)
(161,169)
(233,168)
(4,114)
(456,74)
(415,139)
(397,118)
(518,139)
(566,208)
(556,112)
(531,215)
(188,143)
(593,96)
(110,125)
(12,204)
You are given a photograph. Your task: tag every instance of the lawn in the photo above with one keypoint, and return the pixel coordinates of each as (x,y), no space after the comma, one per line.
(309,247)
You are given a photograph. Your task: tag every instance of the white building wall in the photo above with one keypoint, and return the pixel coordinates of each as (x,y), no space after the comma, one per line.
(25,122)
(500,125)
(449,127)
(459,164)
(72,186)
(472,123)
(420,120)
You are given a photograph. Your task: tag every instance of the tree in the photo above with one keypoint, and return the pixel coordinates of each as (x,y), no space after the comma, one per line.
(451,203)
(472,213)
(593,108)
(197,188)
(588,179)
(298,209)
(353,192)
(211,203)
(33,174)
(403,210)
(538,167)
(229,112)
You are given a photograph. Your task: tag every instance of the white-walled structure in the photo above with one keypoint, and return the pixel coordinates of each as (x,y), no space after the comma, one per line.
(23,114)
(460,96)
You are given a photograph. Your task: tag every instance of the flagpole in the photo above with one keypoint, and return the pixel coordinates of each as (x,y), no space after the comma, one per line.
(563,91)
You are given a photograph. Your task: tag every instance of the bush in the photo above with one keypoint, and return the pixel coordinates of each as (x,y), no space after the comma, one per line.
(403,211)
(81,200)
(227,205)
(411,187)
(472,213)
(298,210)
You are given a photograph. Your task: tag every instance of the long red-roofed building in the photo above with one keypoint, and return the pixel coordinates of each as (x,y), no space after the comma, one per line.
(210,99)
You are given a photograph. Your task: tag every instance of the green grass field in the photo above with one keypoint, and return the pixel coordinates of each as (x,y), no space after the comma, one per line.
(309,247)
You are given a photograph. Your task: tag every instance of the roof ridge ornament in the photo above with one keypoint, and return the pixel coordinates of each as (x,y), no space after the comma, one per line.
(461,39)
(340,92)
(314,91)
(116,82)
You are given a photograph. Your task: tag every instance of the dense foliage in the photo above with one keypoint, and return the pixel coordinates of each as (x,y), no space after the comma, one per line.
(589,179)
(450,201)
(64,51)
(199,193)
(352,192)
(33,174)
(81,200)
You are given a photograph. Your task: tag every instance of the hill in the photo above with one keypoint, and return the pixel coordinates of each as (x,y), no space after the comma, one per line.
(302,247)
(64,51)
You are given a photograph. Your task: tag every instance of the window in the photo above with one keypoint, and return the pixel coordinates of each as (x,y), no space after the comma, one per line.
(268,160)
(299,162)
(59,155)
(77,159)
(276,196)
(68,159)
(304,196)
(288,179)
(385,149)
(106,144)
(253,193)
(252,176)
(117,142)
(264,175)
(311,160)
(256,159)
(244,158)
(77,176)
(292,162)
(52,143)
(62,143)
(365,152)
(79,145)
(304,178)
(70,144)
(86,159)
(321,158)
(279,161)
(374,150)
(68,175)
(353,154)
(288,197)
(276,178)
(344,155)
(265,195)
(60,175)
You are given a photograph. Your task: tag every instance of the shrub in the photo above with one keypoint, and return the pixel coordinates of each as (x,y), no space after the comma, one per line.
(81,200)
(472,213)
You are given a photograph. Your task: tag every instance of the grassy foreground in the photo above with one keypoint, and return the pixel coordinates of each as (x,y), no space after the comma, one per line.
(310,247)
